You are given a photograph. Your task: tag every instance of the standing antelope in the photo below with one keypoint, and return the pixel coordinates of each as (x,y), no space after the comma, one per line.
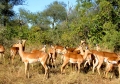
(88,58)
(72,58)
(41,49)
(52,56)
(58,50)
(109,58)
(28,58)
(2,50)
(14,50)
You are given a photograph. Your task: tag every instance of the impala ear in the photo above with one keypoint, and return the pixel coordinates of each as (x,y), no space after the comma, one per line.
(86,48)
(52,46)
(44,45)
(19,41)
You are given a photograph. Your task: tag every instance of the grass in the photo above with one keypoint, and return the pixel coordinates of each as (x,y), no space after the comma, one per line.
(14,74)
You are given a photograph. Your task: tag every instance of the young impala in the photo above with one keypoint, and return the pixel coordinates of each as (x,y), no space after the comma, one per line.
(14,50)
(28,58)
(2,50)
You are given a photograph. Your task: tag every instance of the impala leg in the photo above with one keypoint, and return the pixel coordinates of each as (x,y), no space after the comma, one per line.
(94,65)
(26,68)
(98,68)
(79,67)
(119,69)
(46,70)
(3,57)
(63,65)
(109,67)
(85,63)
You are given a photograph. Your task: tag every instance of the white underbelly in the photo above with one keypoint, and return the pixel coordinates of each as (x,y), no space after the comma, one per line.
(73,61)
(33,60)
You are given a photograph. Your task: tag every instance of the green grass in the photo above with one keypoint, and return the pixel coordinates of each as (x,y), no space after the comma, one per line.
(14,74)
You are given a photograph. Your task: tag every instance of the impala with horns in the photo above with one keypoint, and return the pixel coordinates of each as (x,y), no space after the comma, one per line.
(14,50)
(28,58)
(73,58)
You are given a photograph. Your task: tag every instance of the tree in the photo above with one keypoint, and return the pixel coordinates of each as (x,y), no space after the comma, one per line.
(6,9)
(56,12)
(34,19)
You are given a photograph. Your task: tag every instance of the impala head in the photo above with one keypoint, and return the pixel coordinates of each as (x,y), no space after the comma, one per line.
(52,46)
(64,51)
(87,51)
(79,48)
(82,42)
(18,44)
(97,47)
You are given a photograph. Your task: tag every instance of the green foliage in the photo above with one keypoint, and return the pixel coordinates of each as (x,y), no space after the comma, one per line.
(6,9)
(56,12)
(97,23)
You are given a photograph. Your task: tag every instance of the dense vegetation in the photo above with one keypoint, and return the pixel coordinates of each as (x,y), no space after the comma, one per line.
(96,21)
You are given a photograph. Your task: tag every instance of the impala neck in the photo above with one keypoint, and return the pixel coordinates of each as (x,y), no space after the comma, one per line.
(85,54)
(81,51)
(21,50)
(23,43)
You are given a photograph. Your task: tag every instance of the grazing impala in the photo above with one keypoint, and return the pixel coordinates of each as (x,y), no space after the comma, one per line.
(72,58)
(14,50)
(2,50)
(28,58)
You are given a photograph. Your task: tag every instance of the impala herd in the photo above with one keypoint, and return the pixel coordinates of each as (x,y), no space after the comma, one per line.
(79,55)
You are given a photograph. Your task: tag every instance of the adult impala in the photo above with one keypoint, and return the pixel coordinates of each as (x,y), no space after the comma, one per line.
(14,50)
(41,49)
(28,58)
(52,55)
(109,58)
(72,58)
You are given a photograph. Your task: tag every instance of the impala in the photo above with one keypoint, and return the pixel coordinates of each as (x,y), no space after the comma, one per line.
(109,58)
(2,50)
(52,56)
(72,58)
(88,58)
(110,62)
(14,50)
(28,58)
(41,49)
(58,50)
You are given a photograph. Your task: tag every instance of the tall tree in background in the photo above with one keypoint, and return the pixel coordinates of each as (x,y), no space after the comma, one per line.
(6,9)
(56,12)
(34,19)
